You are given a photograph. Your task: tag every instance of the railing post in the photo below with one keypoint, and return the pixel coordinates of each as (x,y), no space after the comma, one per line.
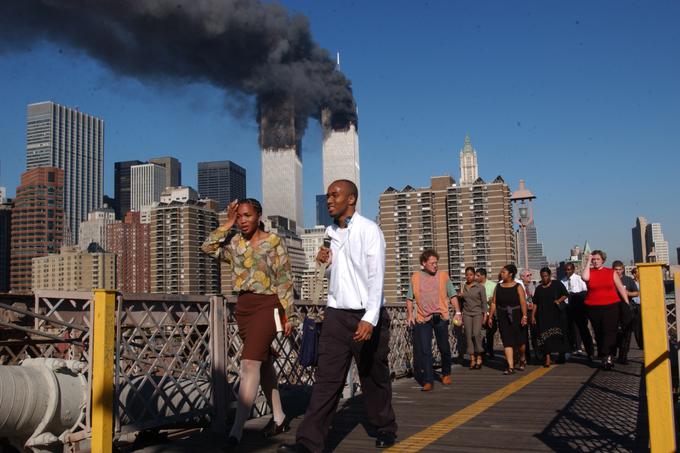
(219,362)
(657,364)
(103,340)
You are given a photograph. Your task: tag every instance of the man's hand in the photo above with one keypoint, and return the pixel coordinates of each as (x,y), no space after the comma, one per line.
(324,255)
(288,329)
(410,321)
(364,331)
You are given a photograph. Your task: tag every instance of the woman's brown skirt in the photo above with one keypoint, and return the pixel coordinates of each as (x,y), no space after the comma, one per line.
(256,325)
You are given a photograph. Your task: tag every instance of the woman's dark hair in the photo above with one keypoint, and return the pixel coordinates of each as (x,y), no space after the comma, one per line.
(512,269)
(481,271)
(546,270)
(257,206)
(469,268)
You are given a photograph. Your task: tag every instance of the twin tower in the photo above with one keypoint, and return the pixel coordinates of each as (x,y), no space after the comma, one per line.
(282,167)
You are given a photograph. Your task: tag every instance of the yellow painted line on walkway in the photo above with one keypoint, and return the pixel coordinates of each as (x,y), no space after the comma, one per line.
(430,435)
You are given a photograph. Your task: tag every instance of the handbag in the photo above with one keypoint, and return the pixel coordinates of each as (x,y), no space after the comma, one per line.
(309,346)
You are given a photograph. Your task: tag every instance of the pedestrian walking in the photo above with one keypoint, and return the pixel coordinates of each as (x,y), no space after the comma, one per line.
(474,306)
(509,301)
(356,325)
(260,265)
(529,288)
(549,317)
(629,312)
(577,318)
(490,323)
(605,290)
(431,291)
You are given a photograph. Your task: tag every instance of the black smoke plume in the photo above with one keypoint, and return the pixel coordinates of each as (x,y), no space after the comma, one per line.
(247,46)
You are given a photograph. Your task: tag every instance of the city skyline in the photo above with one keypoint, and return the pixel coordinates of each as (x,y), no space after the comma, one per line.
(576,130)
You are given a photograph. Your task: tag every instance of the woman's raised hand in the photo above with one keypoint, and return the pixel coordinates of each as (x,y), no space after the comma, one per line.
(231,214)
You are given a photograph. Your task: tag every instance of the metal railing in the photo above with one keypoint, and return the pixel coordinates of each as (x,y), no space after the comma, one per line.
(175,358)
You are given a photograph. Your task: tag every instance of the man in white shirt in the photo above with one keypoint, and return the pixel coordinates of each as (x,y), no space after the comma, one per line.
(576,312)
(355,325)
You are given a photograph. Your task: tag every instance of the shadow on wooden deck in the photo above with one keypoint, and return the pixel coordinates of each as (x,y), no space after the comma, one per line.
(573,408)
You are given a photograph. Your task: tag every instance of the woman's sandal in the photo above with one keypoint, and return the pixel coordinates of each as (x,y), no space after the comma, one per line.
(522,365)
(509,371)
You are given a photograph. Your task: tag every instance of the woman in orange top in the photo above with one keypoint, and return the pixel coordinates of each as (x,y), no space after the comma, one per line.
(605,290)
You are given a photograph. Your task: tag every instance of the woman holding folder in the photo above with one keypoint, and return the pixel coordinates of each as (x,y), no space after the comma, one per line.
(262,277)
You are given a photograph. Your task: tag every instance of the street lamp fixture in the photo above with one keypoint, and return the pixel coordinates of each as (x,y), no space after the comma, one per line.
(522,199)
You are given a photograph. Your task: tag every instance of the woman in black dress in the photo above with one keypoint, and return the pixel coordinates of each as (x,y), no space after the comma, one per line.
(548,316)
(510,302)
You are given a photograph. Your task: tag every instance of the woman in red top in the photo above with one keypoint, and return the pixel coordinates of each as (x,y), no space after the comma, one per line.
(605,290)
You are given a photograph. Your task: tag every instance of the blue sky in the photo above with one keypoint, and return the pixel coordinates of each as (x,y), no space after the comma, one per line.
(581,99)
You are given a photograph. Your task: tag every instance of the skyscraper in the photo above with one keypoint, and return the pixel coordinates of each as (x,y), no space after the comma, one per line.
(173,170)
(648,242)
(656,242)
(62,137)
(148,182)
(222,181)
(340,154)
(178,229)
(37,222)
(281,161)
(534,249)
(468,164)
(640,240)
(122,183)
(323,217)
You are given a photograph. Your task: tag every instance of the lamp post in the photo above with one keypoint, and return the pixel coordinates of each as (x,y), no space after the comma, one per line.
(522,198)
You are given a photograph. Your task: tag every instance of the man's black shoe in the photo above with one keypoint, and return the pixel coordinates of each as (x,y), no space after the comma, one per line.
(292,448)
(385,439)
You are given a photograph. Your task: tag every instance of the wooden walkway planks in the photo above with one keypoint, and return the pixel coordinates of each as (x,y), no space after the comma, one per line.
(573,408)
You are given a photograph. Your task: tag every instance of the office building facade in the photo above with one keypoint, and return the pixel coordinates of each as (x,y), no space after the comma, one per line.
(222,181)
(122,186)
(66,138)
(148,182)
(173,170)
(537,259)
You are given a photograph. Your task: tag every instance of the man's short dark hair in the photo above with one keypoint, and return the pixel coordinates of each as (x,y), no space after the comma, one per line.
(481,271)
(570,265)
(618,263)
(427,254)
(352,188)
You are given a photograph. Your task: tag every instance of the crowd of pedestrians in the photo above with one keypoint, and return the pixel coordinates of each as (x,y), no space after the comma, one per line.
(546,316)
(551,318)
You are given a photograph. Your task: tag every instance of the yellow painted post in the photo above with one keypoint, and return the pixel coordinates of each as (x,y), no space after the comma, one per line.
(103,338)
(657,364)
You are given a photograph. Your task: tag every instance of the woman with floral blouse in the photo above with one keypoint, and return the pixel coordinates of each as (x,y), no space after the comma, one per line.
(262,277)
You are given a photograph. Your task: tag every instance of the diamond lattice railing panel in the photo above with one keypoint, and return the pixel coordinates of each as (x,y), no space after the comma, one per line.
(289,370)
(671,320)
(164,361)
(49,325)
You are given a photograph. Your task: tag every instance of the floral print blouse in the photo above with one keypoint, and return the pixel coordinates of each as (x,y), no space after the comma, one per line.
(262,269)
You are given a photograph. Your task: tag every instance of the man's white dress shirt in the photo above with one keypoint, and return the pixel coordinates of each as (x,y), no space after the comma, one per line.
(357,267)
(574,284)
